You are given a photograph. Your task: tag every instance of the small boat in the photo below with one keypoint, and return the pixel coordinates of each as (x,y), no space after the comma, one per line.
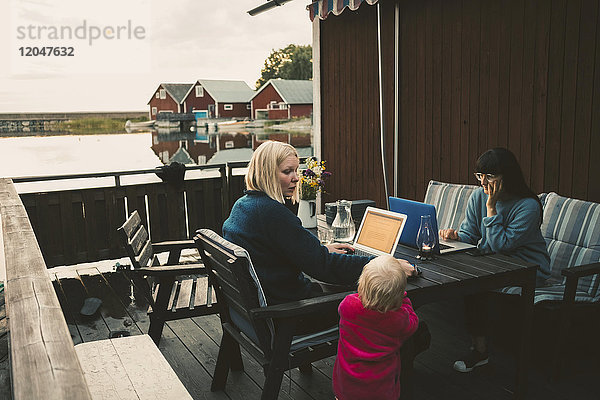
(136,126)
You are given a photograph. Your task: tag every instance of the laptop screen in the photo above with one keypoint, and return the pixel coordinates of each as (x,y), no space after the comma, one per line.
(414,210)
(380,230)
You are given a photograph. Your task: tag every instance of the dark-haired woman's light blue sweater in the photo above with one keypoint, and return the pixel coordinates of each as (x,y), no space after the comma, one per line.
(281,250)
(514,230)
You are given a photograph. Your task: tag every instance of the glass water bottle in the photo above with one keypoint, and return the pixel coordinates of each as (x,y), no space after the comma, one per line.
(343,225)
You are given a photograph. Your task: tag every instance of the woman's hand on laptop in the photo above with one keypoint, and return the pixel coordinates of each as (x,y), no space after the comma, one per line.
(341,248)
(448,234)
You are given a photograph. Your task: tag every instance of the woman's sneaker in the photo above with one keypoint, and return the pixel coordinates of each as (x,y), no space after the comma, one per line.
(473,360)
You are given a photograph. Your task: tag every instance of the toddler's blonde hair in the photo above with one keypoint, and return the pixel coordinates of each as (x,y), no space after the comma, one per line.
(382,284)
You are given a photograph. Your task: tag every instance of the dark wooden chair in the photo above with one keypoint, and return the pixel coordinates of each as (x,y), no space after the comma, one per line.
(178,290)
(268,333)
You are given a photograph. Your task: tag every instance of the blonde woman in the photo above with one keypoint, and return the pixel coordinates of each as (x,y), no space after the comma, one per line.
(374,323)
(282,251)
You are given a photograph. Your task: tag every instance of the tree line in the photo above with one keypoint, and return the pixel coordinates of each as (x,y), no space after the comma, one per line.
(291,62)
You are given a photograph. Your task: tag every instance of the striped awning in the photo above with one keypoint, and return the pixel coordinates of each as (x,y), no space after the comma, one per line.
(322,8)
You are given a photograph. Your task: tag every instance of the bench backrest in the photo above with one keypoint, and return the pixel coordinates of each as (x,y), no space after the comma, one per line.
(450,201)
(136,241)
(237,286)
(571,228)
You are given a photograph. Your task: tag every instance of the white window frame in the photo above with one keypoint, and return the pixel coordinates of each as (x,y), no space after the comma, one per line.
(282,105)
(228,107)
(157,95)
(163,94)
(248,106)
(199,91)
(154,110)
(229,144)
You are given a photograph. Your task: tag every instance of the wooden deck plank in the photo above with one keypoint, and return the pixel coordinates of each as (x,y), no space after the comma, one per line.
(71,323)
(112,310)
(211,325)
(132,299)
(205,350)
(192,374)
(90,327)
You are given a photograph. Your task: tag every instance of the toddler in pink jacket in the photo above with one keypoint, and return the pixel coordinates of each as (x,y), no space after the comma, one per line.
(373,325)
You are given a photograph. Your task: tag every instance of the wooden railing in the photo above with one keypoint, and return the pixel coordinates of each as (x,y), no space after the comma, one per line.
(79,225)
(43,361)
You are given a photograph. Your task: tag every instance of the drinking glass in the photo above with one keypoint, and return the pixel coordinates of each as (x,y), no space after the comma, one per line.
(325,234)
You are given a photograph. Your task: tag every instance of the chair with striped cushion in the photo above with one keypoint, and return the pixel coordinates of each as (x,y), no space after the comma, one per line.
(268,333)
(450,201)
(571,229)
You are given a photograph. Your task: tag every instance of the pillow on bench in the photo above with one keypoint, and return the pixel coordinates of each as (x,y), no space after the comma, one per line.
(450,201)
(571,229)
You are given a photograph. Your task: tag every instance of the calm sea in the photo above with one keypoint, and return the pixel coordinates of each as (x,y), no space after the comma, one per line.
(78,154)
(52,155)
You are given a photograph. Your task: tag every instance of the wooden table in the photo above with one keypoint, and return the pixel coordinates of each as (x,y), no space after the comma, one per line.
(459,274)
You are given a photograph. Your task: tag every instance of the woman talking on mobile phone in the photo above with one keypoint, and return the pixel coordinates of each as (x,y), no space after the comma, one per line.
(503,216)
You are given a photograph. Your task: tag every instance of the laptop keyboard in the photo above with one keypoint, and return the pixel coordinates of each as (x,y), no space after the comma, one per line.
(363,253)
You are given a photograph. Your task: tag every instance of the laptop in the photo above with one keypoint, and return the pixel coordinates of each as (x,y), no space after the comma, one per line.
(414,210)
(379,232)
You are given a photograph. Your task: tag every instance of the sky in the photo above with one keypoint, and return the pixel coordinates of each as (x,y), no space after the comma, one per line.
(123,49)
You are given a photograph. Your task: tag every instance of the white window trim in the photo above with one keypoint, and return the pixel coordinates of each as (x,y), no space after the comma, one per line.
(199,91)
(163,94)
(248,106)
(154,110)
(157,95)
(228,107)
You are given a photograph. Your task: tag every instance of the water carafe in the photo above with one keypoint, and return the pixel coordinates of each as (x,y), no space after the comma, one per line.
(343,225)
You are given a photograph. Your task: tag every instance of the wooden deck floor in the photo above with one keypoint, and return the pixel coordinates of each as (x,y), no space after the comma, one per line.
(191,347)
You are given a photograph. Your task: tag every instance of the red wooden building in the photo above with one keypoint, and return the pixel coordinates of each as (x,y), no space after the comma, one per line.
(283,99)
(168,97)
(219,98)
(457,77)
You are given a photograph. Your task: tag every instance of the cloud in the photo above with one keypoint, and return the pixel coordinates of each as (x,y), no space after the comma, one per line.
(189,40)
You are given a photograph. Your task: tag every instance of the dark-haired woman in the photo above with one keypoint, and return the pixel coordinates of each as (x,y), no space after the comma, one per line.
(503,216)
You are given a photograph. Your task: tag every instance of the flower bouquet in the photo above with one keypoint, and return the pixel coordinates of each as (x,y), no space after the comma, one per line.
(312,179)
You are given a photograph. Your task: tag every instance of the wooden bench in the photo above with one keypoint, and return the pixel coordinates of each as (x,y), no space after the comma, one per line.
(128,368)
(44,364)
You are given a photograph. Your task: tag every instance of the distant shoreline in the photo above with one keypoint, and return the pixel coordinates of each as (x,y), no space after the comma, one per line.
(71,115)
